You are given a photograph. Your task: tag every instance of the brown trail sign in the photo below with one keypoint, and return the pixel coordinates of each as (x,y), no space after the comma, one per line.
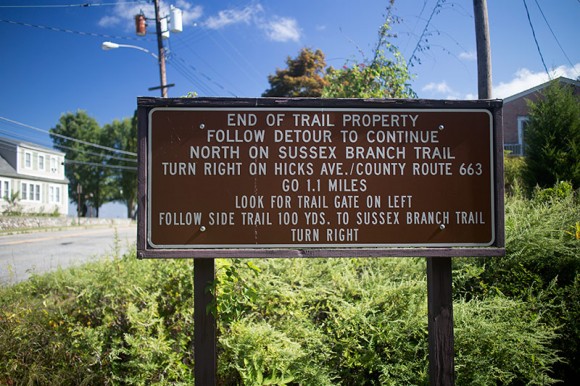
(285,176)
(320,178)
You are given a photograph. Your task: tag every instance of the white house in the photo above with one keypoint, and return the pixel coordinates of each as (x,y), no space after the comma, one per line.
(36,174)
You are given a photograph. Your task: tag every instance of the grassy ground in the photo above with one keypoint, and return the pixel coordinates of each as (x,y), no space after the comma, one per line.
(307,321)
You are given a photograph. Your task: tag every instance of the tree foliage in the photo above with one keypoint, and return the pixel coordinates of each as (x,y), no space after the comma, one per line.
(304,76)
(102,175)
(553,138)
(386,75)
(83,163)
(122,135)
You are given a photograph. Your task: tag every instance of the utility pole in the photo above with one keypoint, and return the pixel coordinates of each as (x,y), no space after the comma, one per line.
(439,270)
(483,49)
(161,49)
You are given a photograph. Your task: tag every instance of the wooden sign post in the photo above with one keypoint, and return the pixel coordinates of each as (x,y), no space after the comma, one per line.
(321,178)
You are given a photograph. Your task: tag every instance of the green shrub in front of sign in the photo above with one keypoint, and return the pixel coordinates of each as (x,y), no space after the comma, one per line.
(502,341)
(306,321)
(514,168)
(541,268)
(109,322)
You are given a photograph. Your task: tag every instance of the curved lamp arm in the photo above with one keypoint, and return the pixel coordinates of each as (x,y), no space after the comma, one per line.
(110,46)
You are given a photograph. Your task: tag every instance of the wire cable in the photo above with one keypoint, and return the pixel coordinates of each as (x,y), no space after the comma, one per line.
(108,156)
(553,34)
(208,78)
(24,138)
(206,64)
(72,162)
(536,40)
(56,29)
(69,138)
(182,67)
(83,5)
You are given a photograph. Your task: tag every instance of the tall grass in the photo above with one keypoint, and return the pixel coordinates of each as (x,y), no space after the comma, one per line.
(305,321)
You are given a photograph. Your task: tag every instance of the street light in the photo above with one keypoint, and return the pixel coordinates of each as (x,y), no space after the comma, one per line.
(111,46)
(175,19)
(164,86)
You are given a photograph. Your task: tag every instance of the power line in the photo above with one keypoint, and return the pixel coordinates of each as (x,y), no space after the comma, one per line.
(208,78)
(95,154)
(69,138)
(109,157)
(72,162)
(237,51)
(210,66)
(56,29)
(83,5)
(25,138)
(181,67)
(536,40)
(553,34)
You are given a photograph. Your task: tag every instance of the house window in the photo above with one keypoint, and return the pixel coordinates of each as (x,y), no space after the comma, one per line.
(41,162)
(28,160)
(53,164)
(4,189)
(522,123)
(30,192)
(54,194)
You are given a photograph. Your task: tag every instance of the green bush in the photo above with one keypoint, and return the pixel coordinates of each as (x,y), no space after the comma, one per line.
(119,320)
(514,174)
(501,341)
(307,321)
(553,137)
(541,268)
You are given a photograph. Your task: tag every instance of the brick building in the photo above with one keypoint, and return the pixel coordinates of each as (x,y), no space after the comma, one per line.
(516,114)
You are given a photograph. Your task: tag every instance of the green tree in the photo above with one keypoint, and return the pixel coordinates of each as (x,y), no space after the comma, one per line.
(386,75)
(304,76)
(84,162)
(122,135)
(553,138)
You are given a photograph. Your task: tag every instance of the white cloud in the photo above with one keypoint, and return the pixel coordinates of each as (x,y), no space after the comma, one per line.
(124,13)
(526,79)
(109,21)
(234,16)
(438,88)
(441,90)
(190,12)
(283,30)
(471,55)
(279,29)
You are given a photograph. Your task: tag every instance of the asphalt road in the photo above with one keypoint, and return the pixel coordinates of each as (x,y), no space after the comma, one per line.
(24,254)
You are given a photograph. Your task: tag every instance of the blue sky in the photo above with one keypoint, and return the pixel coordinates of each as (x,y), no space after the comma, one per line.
(228,48)
(52,62)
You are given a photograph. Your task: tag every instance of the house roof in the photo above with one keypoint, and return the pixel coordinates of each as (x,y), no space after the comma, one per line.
(30,145)
(6,170)
(540,87)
